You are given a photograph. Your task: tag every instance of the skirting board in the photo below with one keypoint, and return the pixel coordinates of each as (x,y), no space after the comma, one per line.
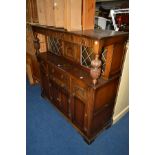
(120,114)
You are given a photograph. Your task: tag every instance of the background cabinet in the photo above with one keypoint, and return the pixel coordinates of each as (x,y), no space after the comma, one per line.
(31,11)
(67,14)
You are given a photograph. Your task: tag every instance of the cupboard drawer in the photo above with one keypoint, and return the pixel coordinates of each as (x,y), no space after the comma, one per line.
(79,90)
(59,76)
(60,83)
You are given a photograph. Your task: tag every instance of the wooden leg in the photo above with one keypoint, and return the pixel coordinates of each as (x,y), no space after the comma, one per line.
(88,141)
(108,125)
(42,93)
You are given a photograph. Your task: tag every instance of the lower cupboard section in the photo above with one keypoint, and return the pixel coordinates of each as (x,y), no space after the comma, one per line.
(76,109)
(89,109)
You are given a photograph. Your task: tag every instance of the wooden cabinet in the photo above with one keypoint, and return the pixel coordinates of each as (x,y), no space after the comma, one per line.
(85,94)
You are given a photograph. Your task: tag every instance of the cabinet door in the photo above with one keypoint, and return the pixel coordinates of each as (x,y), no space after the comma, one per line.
(64,103)
(78,112)
(59,97)
(44,84)
(55,95)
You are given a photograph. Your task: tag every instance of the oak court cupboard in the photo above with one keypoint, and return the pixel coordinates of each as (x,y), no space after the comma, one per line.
(80,73)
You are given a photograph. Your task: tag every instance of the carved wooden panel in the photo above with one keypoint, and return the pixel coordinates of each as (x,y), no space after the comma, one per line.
(42,41)
(64,102)
(102,118)
(79,111)
(106,93)
(56,94)
(44,84)
(68,51)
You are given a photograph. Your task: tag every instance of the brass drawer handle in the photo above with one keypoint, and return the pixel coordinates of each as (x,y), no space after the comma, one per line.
(62,85)
(58,99)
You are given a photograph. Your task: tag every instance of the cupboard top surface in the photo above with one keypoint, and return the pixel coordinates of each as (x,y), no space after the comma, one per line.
(94,34)
(99,34)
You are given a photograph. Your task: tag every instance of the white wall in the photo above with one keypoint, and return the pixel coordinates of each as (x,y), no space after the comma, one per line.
(122,101)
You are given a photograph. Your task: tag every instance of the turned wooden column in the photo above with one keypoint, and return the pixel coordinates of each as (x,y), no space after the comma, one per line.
(36,44)
(96,63)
